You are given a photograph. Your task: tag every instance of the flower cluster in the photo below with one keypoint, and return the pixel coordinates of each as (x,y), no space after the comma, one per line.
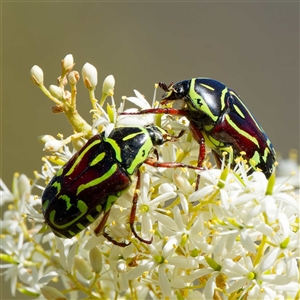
(235,237)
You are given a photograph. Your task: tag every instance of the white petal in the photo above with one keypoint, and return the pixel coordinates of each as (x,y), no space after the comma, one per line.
(71,256)
(234,268)
(135,120)
(183,262)
(164,282)
(247,241)
(164,220)
(146,225)
(237,285)
(269,259)
(210,286)
(184,203)
(48,277)
(60,247)
(170,247)
(139,270)
(284,224)
(275,279)
(200,194)
(162,198)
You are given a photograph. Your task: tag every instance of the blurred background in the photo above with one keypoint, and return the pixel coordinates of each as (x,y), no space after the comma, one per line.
(252,47)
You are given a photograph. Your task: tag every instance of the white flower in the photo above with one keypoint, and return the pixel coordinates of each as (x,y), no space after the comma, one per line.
(244,274)
(148,211)
(5,194)
(284,241)
(137,120)
(162,261)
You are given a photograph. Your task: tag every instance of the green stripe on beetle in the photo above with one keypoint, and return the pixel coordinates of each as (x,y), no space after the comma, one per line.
(82,154)
(98,180)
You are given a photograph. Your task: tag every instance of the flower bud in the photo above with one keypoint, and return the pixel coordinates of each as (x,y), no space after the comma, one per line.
(96,259)
(45,138)
(55,260)
(56,91)
(78,143)
(121,266)
(166,188)
(89,76)
(37,75)
(24,185)
(67,63)
(182,184)
(108,85)
(83,267)
(51,293)
(53,145)
(73,77)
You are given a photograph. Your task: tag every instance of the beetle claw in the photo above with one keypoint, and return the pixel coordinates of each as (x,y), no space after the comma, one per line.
(110,239)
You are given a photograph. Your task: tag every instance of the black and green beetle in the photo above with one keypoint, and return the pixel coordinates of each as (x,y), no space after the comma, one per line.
(219,119)
(96,176)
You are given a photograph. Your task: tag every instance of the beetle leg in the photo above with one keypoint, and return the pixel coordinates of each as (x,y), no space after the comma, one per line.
(174,138)
(157,164)
(201,158)
(101,230)
(110,239)
(163,86)
(169,111)
(133,211)
(156,154)
(198,136)
(217,159)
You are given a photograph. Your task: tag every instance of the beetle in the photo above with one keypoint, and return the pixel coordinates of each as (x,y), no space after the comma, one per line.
(97,175)
(219,119)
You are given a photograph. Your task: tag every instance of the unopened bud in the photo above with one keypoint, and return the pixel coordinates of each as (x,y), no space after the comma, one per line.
(96,259)
(55,260)
(45,138)
(121,266)
(67,63)
(108,85)
(56,91)
(78,144)
(24,186)
(53,145)
(89,76)
(83,267)
(73,77)
(51,293)
(182,183)
(37,75)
